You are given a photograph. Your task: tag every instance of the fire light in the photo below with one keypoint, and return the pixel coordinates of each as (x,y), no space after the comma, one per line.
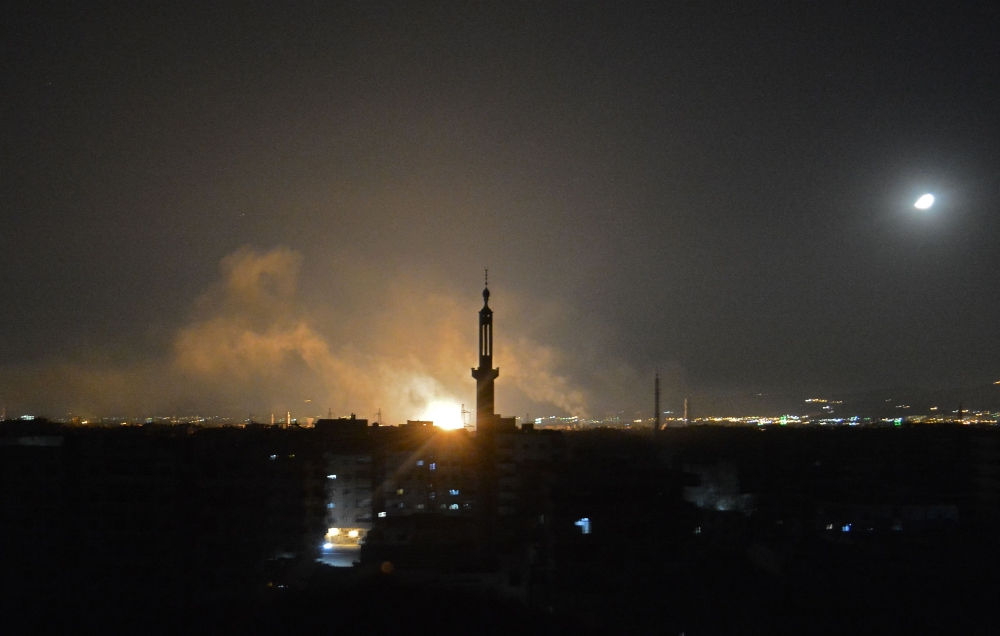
(444,414)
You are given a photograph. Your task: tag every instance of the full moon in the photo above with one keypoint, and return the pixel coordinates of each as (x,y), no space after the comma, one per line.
(924,202)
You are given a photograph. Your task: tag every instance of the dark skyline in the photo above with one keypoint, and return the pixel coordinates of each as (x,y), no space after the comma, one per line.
(721,191)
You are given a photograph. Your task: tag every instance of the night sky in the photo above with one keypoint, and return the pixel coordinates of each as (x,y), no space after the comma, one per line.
(237,207)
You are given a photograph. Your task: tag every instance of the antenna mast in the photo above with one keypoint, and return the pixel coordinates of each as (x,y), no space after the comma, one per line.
(656,418)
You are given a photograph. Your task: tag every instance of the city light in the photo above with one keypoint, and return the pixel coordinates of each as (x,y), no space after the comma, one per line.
(692,218)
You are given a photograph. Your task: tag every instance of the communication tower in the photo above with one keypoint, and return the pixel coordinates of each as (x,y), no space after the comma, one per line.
(656,400)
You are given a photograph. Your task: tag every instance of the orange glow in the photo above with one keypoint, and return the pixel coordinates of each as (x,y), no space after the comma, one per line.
(446,415)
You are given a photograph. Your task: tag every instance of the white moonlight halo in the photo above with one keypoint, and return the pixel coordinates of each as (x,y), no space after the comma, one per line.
(924,202)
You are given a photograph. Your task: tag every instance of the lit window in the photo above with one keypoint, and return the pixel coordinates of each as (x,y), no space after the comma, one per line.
(453,491)
(274,457)
(453,506)
(331,505)
(583,524)
(353,534)
(829,526)
(381,515)
(433,466)
(846,528)
(399,491)
(328,476)
(420,506)
(333,532)
(420,462)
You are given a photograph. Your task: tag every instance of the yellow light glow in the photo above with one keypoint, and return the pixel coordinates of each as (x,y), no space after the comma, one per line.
(446,415)
(353,534)
(333,532)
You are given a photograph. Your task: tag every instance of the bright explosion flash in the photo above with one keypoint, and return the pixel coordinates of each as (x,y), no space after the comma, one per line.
(446,415)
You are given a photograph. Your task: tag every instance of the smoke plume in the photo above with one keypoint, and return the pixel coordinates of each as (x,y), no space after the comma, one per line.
(251,345)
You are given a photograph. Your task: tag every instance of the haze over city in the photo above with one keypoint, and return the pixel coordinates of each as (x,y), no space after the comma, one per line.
(251,209)
(499,317)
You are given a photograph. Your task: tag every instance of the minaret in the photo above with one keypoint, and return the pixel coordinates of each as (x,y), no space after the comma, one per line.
(485,374)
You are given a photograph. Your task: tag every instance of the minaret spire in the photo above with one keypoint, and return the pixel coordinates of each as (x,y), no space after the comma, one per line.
(485,374)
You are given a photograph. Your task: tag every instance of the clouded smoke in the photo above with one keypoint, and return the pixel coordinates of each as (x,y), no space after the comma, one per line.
(254,333)
(252,345)
(533,372)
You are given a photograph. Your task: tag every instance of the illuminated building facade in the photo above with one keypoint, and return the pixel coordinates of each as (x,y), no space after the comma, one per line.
(348,497)
(437,477)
